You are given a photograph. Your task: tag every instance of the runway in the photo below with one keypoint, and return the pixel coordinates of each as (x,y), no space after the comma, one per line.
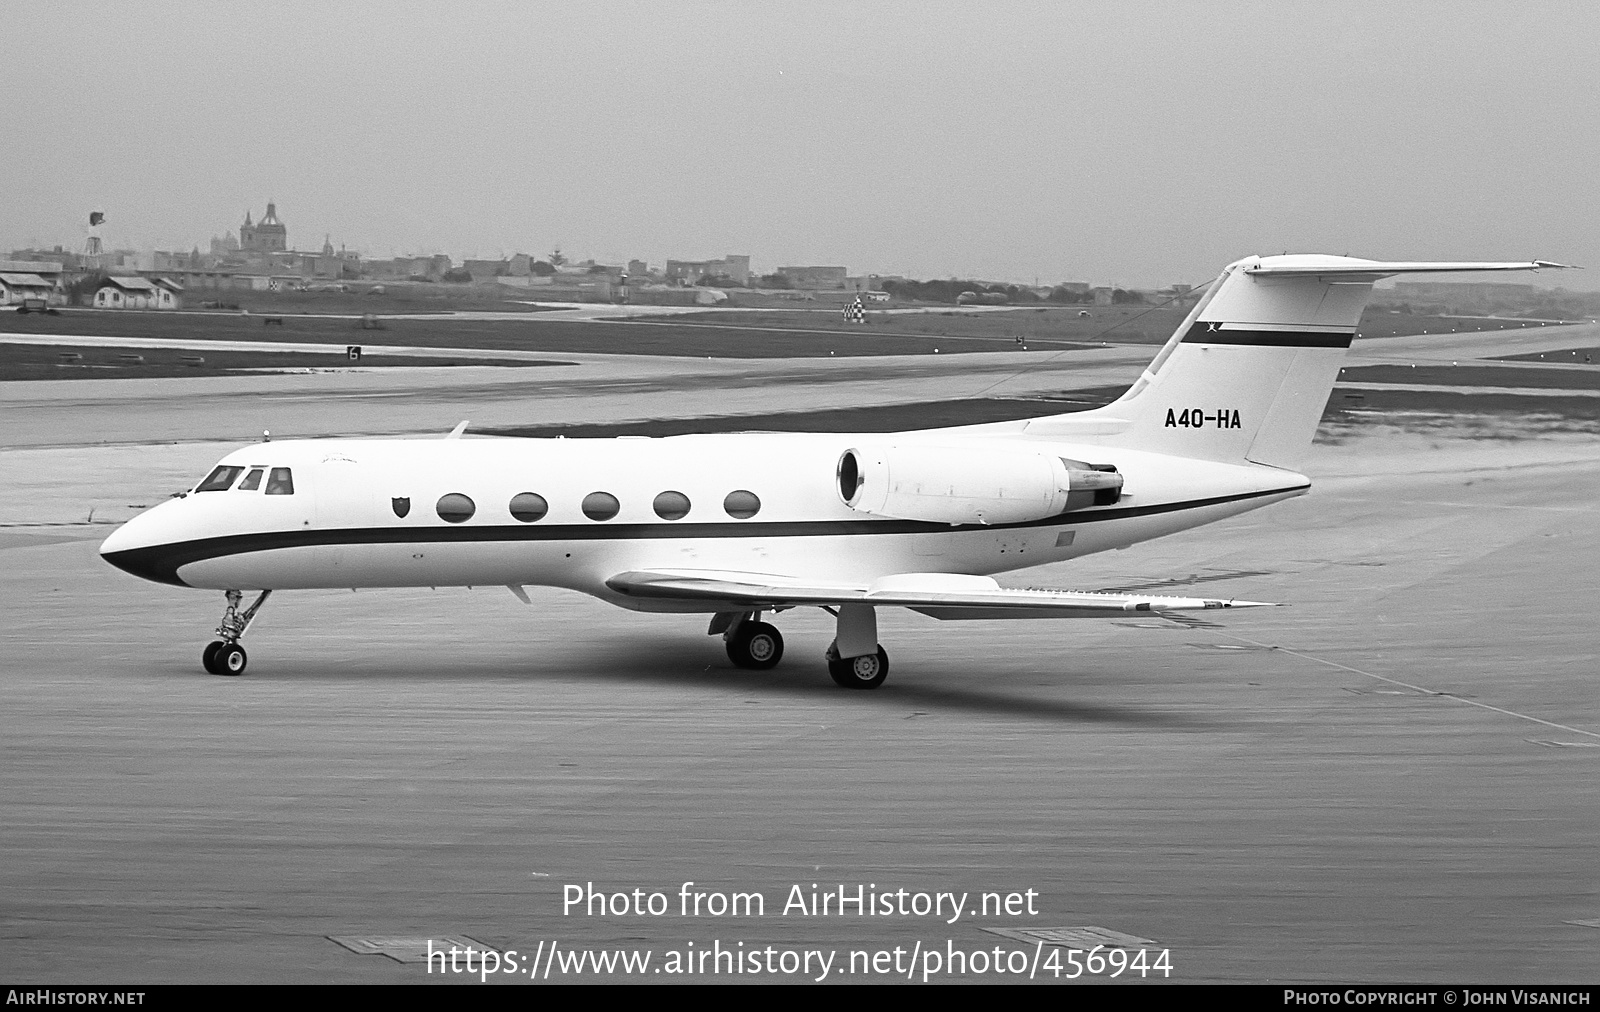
(1391,779)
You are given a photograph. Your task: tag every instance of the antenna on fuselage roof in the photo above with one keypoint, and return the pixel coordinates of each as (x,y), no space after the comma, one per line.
(456,432)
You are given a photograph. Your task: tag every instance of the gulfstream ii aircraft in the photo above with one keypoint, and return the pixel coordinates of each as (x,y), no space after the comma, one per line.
(745,524)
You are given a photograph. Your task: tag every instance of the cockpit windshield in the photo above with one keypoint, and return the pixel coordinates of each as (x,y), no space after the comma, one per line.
(220,479)
(280,482)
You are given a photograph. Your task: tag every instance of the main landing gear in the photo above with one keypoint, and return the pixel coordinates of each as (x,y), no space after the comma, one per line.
(865,672)
(855,660)
(225,656)
(754,645)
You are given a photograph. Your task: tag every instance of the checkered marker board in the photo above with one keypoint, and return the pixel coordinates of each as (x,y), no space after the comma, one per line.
(855,312)
(1086,937)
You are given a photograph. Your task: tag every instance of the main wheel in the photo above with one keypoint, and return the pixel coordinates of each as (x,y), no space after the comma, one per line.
(865,672)
(208,659)
(755,645)
(231,659)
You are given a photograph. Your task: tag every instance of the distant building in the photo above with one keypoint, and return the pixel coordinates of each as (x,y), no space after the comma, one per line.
(433,268)
(818,279)
(1182,295)
(170,292)
(204,277)
(606,272)
(50,270)
(687,272)
(137,293)
(638,269)
(163,261)
(1103,295)
(268,236)
(17,288)
(309,265)
(486,270)
(121,261)
(42,261)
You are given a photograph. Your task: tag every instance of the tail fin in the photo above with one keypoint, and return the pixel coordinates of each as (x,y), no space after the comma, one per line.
(1248,373)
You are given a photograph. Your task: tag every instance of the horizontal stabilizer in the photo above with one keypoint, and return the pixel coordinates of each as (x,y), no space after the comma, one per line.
(943,595)
(1373,269)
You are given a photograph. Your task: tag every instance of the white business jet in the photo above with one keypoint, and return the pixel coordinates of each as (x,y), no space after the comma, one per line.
(742,525)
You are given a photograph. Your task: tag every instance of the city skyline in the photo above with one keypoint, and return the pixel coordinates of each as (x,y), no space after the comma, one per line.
(1139,148)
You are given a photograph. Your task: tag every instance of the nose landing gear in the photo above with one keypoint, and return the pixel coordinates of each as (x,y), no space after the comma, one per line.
(225,656)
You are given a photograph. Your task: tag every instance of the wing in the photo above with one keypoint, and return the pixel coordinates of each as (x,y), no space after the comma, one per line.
(940,595)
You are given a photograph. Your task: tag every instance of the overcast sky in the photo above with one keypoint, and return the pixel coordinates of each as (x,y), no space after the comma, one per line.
(1115,142)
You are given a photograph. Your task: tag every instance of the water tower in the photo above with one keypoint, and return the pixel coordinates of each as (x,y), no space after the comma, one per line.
(93,247)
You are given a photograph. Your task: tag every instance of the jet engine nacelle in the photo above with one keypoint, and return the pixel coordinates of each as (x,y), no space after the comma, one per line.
(970,484)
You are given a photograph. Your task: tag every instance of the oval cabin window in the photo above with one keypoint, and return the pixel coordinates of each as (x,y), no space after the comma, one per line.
(671,505)
(600,506)
(742,505)
(456,508)
(529,506)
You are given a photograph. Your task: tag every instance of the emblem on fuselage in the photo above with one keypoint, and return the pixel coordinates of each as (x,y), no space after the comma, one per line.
(402,506)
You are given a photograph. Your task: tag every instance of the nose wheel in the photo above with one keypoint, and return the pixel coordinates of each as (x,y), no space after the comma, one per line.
(222,658)
(225,656)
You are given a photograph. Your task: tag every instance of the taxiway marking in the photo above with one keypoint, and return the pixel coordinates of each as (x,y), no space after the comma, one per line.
(1416,688)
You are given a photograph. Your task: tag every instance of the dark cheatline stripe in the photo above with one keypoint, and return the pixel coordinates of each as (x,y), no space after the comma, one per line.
(1202,333)
(160,563)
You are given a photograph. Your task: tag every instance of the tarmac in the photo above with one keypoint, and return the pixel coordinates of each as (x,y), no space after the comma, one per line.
(1393,778)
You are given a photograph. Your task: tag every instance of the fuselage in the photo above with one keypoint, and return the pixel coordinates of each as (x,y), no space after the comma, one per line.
(575,512)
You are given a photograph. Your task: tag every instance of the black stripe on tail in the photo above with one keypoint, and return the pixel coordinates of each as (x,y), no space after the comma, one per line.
(1212,333)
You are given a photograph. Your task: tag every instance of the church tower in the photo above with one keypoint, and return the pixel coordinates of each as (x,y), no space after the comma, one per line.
(267,236)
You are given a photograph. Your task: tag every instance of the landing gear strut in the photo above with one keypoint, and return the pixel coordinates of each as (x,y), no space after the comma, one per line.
(225,656)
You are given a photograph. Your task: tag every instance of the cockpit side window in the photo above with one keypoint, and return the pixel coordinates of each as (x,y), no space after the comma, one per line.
(220,479)
(252,481)
(280,482)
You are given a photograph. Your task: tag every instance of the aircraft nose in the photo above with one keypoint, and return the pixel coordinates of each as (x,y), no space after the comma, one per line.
(131,550)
